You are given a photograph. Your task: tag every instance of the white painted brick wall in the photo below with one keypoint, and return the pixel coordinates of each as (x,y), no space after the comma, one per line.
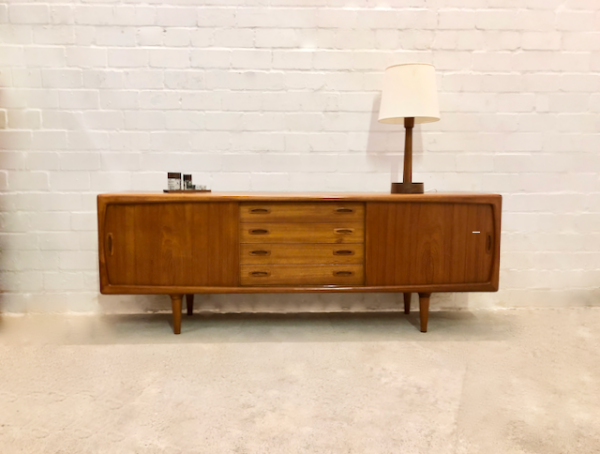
(109,95)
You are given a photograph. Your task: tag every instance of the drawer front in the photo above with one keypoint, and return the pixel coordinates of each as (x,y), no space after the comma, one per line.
(257,275)
(306,254)
(283,232)
(302,212)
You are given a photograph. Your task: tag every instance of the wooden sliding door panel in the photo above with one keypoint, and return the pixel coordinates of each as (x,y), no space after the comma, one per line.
(413,243)
(118,234)
(479,248)
(167,251)
(168,244)
(223,244)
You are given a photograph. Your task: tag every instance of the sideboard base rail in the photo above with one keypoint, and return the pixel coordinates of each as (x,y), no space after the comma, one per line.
(187,290)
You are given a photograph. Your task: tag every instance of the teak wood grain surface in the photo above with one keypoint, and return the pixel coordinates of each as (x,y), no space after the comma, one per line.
(301,232)
(303,253)
(295,274)
(309,255)
(439,243)
(181,244)
(166,244)
(302,212)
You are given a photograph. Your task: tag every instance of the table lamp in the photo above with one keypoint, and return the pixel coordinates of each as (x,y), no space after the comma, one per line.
(409,96)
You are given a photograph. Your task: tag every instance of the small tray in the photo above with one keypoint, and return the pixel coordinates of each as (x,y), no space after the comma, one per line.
(187,191)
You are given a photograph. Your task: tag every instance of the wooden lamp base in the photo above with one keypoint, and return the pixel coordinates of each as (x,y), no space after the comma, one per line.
(408,188)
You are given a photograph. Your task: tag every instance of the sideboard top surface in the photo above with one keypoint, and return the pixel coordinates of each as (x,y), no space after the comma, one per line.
(131,197)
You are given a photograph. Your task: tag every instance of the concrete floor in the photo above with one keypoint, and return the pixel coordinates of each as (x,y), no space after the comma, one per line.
(512,381)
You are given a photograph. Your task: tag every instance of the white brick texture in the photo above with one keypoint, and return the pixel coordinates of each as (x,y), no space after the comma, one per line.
(103,95)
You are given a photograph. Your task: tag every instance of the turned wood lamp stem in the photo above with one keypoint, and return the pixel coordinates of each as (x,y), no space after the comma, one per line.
(407,186)
(409,124)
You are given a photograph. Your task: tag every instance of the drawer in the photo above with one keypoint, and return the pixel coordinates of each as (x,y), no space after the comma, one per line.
(302,212)
(302,275)
(284,232)
(283,254)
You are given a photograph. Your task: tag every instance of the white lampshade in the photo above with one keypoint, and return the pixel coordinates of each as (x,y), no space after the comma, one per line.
(409,90)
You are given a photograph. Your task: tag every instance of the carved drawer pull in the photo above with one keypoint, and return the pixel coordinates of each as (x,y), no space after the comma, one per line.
(260,274)
(343,231)
(343,273)
(259,232)
(343,252)
(260,252)
(488,246)
(260,211)
(344,210)
(109,240)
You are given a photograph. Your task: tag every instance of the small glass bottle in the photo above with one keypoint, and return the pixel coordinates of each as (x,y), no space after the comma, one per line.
(174,181)
(187,182)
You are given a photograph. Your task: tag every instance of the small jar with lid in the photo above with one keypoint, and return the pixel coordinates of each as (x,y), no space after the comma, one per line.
(174,181)
(187,182)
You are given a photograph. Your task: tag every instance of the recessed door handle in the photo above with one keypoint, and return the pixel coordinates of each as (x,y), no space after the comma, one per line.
(109,243)
(343,273)
(343,231)
(344,210)
(488,246)
(260,274)
(260,211)
(260,253)
(259,232)
(343,252)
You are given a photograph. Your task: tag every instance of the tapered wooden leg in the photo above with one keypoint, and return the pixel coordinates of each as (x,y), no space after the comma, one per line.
(189,301)
(176,305)
(424,310)
(407,303)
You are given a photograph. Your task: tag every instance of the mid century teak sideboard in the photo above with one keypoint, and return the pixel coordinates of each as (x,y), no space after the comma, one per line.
(182,244)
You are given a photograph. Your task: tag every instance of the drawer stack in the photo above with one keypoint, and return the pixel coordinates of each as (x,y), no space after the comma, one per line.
(291,243)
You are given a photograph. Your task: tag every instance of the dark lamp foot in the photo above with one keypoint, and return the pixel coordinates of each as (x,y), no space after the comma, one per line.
(408,188)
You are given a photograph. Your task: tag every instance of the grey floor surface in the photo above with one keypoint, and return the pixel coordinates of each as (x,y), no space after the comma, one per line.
(510,381)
